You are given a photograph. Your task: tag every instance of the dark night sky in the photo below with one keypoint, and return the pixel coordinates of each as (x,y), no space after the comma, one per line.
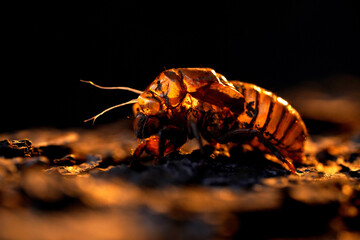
(274,45)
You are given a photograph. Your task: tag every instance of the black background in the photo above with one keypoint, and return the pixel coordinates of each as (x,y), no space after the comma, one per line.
(115,43)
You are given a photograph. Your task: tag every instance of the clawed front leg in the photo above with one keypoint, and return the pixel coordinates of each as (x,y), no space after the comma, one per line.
(168,140)
(150,145)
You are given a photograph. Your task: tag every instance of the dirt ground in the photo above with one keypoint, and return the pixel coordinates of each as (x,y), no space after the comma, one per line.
(78,184)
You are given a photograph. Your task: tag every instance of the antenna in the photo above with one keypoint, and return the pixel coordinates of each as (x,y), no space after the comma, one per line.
(110,108)
(118,88)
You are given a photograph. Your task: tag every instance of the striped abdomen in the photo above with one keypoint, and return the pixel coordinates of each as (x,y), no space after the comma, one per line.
(278,122)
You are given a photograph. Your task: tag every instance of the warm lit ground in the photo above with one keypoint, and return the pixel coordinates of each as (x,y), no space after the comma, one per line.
(94,194)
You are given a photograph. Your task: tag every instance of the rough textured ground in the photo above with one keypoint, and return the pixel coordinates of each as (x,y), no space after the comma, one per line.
(73,183)
(78,184)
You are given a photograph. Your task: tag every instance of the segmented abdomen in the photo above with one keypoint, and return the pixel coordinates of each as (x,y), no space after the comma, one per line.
(278,121)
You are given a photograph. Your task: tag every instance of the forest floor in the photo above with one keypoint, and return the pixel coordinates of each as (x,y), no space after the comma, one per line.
(78,184)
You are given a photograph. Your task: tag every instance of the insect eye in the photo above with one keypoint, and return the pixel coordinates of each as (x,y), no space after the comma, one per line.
(139,124)
(145,126)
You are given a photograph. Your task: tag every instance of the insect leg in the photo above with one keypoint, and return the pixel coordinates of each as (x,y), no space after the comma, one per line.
(232,135)
(149,145)
(138,151)
(277,153)
(194,132)
(253,132)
